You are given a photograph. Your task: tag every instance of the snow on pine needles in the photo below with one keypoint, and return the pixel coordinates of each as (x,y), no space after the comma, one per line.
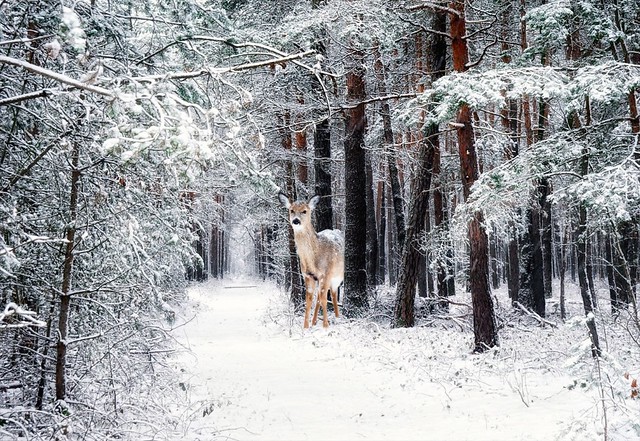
(254,373)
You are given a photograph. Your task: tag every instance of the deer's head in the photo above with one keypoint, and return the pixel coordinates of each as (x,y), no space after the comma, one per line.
(299,212)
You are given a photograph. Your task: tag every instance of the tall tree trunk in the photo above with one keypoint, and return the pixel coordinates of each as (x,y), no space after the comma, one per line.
(510,122)
(293,279)
(546,237)
(622,277)
(438,54)
(392,241)
(372,231)
(613,296)
(322,168)
(322,142)
(411,255)
(532,280)
(390,151)
(382,232)
(562,270)
(532,276)
(493,255)
(581,233)
(355,281)
(67,274)
(484,321)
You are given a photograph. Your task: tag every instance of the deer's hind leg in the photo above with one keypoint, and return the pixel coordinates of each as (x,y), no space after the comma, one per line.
(334,300)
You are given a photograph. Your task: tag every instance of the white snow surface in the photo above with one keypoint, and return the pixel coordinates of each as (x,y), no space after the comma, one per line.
(253,373)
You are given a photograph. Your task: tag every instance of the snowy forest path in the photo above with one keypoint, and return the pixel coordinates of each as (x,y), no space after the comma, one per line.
(252,378)
(264,386)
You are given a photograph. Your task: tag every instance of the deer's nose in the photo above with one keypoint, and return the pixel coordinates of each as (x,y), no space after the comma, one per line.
(296,221)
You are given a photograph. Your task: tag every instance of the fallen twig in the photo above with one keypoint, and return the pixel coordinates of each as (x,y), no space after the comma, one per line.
(534,315)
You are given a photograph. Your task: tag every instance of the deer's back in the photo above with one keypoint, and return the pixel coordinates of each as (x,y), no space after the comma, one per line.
(331,251)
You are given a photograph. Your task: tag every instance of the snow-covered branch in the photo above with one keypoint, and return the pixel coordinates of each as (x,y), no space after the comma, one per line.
(38,70)
(24,318)
(223,70)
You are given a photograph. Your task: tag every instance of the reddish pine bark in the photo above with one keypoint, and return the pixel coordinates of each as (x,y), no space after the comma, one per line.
(484,323)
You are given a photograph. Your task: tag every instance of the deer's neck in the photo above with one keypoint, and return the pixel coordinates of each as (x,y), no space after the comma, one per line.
(307,246)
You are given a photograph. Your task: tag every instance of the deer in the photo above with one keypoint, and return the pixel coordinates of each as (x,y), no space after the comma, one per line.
(321,257)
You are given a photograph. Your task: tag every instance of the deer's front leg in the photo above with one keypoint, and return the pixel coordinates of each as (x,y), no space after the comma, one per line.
(310,284)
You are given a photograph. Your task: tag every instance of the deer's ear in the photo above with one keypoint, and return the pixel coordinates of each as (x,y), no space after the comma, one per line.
(313,202)
(284,200)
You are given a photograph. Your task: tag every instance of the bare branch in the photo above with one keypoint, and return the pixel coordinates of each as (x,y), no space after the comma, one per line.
(433,6)
(424,28)
(26,96)
(484,52)
(380,98)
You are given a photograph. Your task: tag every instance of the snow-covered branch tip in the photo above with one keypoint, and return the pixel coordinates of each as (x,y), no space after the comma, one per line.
(223,70)
(54,76)
(23,317)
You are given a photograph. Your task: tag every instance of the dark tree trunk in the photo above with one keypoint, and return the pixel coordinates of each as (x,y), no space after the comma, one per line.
(510,121)
(355,281)
(372,231)
(411,255)
(590,284)
(484,322)
(322,143)
(613,295)
(493,252)
(562,270)
(438,59)
(390,153)
(293,280)
(536,287)
(392,242)
(42,382)
(547,237)
(444,275)
(630,242)
(427,229)
(382,232)
(423,285)
(622,277)
(582,243)
(322,167)
(513,280)
(582,280)
(67,274)
(531,292)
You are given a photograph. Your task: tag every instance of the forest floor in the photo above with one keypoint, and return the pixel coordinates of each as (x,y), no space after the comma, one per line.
(253,373)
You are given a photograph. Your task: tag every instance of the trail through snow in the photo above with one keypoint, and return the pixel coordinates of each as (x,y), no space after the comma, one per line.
(254,374)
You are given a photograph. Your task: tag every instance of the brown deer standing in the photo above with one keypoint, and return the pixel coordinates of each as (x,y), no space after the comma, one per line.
(321,257)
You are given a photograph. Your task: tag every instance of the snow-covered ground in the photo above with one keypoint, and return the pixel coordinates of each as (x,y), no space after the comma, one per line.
(253,373)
